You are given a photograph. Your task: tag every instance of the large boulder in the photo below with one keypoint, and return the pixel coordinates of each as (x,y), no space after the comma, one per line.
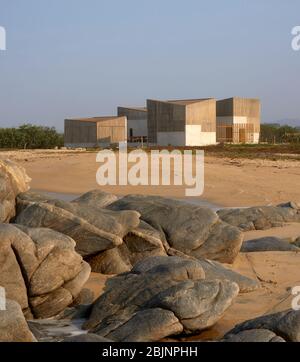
(215,270)
(25,199)
(11,277)
(253,335)
(93,228)
(138,244)
(283,325)
(96,198)
(212,270)
(193,230)
(161,296)
(13,180)
(148,325)
(13,326)
(40,269)
(267,244)
(261,218)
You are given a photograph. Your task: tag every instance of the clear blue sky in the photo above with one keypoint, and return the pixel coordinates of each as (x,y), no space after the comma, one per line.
(84,58)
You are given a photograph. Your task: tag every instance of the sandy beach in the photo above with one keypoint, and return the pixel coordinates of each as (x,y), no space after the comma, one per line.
(228,182)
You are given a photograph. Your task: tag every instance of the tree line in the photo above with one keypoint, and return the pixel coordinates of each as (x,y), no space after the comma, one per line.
(273,133)
(29,136)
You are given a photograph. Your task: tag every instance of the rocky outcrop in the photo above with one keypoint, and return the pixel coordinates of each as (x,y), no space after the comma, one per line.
(212,270)
(195,231)
(111,255)
(148,325)
(283,326)
(261,218)
(161,296)
(93,228)
(267,244)
(13,180)
(13,326)
(253,335)
(113,239)
(96,198)
(138,244)
(29,198)
(40,269)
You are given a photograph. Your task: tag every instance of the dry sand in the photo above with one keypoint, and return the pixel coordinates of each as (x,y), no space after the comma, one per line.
(289,232)
(239,182)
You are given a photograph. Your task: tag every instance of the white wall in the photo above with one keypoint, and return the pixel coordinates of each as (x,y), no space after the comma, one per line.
(192,134)
(171,138)
(191,137)
(195,137)
(256,137)
(240,120)
(232,120)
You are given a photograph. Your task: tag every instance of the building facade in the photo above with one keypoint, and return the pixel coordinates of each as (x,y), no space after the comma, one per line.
(137,126)
(95,132)
(187,122)
(182,122)
(238,120)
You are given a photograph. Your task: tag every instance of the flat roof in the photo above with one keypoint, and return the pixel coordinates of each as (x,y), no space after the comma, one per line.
(183,102)
(94,119)
(141,109)
(233,98)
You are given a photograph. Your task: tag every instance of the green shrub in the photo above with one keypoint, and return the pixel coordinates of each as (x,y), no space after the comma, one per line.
(29,136)
(279,134)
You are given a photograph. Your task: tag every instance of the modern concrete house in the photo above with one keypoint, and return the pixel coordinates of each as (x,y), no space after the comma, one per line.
(137,129)
(94,132)
(238,120)
(189,122)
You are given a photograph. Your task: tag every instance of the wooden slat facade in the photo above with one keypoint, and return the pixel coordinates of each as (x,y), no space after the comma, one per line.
(94,132)
(238,120)
(173,116)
